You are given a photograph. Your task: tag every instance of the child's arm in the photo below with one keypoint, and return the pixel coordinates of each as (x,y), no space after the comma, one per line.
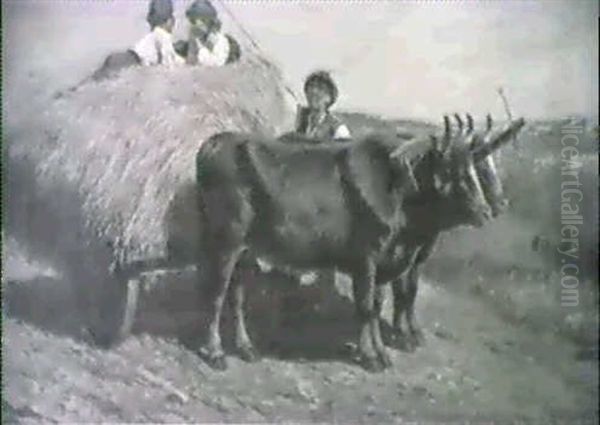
(167,53)
(215,56)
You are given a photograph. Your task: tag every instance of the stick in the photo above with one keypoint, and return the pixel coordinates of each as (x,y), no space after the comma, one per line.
(162,383)
(254,43)
(508,114)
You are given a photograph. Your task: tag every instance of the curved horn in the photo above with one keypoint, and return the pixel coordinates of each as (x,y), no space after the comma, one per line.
(488,123)
(446,127)
(459,122)
(444,144)
(498,140)
(470,124)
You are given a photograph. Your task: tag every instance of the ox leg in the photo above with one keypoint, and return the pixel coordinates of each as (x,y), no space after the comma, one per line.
(417,336)
(363,286)
(245,270)
(219,271)
(415,332)
(382,352)
(409,292)
(400,292)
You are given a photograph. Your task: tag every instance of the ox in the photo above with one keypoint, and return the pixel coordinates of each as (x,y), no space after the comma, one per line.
(405,285)
(369,208)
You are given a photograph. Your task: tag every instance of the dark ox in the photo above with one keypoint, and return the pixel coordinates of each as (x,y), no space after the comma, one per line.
(405,285)
(368,208)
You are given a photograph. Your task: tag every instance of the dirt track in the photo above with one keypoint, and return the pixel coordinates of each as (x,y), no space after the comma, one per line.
(477,365)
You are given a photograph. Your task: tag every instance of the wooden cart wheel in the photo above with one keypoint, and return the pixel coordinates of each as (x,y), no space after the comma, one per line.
(115,313)
(130,309)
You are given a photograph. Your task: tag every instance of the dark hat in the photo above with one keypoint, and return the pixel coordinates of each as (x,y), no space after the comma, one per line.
(323,77)
(201,9)
(159,12)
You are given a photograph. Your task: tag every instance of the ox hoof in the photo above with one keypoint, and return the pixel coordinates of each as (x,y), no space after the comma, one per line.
(417,338)
(385,359)
(403,342)
(371,364)
(216,361)
(248,354)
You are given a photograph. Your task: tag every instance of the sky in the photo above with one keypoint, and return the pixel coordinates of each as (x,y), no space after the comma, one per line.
(422,59)
(401,59)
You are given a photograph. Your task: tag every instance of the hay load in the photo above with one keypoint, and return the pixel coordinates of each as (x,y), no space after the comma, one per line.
(103,178)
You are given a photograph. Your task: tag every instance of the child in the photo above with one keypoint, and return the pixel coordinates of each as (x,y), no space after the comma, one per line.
(158,12)
(315,121)
(155,48)
(207,45)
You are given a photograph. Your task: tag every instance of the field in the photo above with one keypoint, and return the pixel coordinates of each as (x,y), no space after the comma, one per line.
(500,346)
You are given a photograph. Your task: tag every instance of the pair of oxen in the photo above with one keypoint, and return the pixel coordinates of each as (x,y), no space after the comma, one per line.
(372,208)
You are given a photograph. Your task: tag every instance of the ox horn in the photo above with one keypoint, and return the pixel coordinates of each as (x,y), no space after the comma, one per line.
(489,123)
(470,124)
(450,139)
(459,122)
(408,146)
(447,137)
(446,127)
(498,140)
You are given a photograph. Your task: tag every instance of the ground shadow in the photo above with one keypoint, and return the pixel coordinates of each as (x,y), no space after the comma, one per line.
(49,225)
(45,302)
(285,319)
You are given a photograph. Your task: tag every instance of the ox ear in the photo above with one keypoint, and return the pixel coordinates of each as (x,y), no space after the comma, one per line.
(437,144)
(409,147)
(408,175)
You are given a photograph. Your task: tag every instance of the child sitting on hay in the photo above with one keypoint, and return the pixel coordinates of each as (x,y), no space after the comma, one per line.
(207,45)
(154,49)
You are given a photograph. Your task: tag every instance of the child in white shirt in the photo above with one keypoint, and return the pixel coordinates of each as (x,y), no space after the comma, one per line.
(157,47)
(154,49)
(207,45)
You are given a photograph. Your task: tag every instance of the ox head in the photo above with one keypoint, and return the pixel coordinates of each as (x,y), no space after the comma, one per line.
(458,171)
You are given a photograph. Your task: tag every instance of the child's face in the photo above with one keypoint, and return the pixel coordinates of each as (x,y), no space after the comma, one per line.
(169,25)
(201,26)
(318,96)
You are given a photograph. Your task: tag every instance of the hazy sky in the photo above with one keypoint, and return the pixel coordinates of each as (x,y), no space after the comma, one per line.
(406,59)
(426,58)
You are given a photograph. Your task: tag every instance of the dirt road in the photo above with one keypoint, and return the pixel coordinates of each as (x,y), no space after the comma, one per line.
(477,365)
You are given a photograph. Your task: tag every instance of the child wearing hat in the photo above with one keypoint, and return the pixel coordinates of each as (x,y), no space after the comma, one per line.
(207,44)
(157,47)
(316,121)
(159,11)
(154,49)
